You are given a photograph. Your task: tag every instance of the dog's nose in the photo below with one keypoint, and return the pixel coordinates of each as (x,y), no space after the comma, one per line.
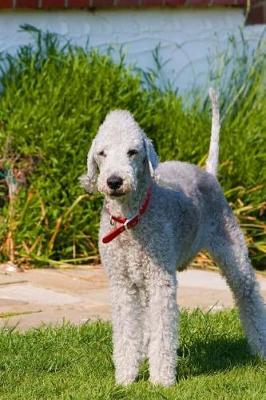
(114,182)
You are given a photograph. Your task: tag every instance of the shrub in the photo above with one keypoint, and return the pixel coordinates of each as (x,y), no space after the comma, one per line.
(53,99)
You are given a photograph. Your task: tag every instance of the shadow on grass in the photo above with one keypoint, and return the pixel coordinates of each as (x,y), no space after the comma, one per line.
(208,357)
(213,355)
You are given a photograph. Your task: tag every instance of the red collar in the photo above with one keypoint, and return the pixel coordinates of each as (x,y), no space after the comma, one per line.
(127,223)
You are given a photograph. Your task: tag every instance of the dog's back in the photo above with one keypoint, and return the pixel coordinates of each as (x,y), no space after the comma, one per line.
(198,188)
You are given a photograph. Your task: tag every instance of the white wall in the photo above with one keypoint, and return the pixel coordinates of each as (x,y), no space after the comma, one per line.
(187,36)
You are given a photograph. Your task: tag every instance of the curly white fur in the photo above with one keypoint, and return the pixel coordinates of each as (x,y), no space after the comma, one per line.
(187,213)
(212,160)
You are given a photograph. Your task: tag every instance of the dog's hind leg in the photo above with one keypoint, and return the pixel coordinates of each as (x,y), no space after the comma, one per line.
(228,248)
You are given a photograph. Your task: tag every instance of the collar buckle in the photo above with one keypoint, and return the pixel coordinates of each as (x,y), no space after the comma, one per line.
(127,223)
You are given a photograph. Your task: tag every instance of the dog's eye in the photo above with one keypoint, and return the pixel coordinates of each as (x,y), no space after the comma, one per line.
(102,153)
(132,152)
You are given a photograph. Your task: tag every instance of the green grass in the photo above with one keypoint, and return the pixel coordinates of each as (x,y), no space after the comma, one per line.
(76,363)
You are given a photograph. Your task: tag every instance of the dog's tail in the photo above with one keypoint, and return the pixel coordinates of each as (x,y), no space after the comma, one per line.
(213,156)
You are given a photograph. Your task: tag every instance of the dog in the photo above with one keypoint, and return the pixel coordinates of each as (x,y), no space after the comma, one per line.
(155,218)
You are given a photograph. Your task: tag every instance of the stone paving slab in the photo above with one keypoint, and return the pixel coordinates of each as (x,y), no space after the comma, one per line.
(56,316)
(67,281)
(51,296)
(209,279)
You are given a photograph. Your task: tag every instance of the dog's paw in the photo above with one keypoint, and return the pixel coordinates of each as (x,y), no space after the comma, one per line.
(163,380)
(125,379)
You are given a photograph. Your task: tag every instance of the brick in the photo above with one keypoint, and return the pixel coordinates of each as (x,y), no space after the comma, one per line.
(26,3)
(197,3)
(127,3)
(53,3)
(239,3)
(78,3)
(103,3)
(6,3)
(152,3)
(257,15)
(255,2)
(174,3)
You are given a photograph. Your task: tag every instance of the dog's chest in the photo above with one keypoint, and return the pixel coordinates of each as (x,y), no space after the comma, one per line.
(133,259)
(126,257)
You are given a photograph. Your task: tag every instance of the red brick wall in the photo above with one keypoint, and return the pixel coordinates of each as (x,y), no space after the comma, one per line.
(91,4)
(257,12)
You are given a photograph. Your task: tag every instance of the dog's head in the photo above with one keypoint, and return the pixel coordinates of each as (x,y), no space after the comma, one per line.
(120,156)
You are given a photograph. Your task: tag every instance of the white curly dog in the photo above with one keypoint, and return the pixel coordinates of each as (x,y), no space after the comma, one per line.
(156,217)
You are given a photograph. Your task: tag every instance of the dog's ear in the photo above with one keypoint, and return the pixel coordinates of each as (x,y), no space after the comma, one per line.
(152,156)
(89,180)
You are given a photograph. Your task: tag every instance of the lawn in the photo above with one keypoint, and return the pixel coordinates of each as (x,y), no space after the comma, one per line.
(71,362)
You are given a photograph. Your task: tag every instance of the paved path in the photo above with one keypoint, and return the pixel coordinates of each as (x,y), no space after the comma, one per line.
(29,299)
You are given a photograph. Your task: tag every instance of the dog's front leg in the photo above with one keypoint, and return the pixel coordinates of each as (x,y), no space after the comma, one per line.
(163,328)
(126,314)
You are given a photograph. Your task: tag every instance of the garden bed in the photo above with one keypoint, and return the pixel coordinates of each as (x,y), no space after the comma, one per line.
(52,100)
